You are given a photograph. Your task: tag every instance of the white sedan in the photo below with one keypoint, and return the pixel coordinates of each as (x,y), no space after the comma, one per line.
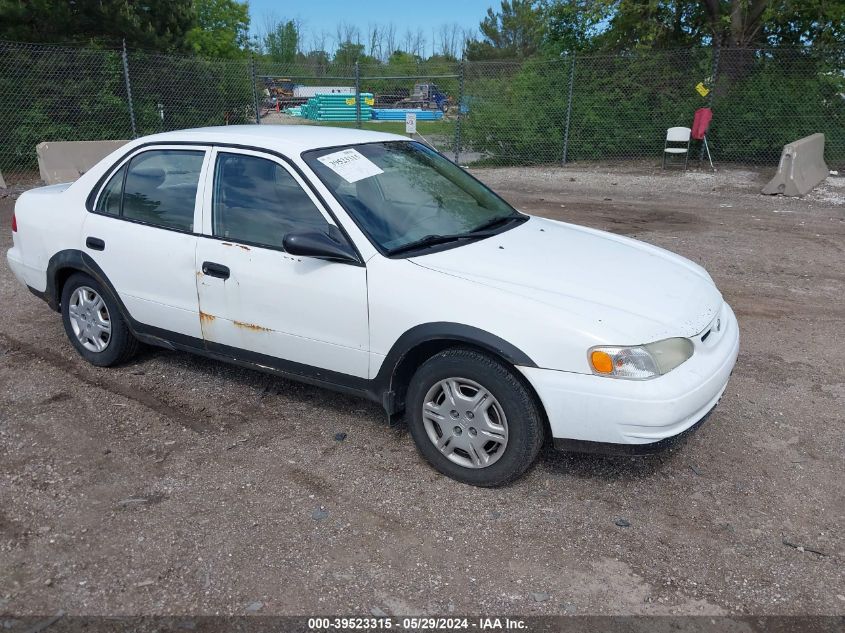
(369,263)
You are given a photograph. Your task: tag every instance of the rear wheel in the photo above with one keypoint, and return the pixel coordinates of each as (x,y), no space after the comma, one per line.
(473,419)
(93,323)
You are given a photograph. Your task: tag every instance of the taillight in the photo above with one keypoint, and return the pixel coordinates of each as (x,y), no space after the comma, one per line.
(14,223)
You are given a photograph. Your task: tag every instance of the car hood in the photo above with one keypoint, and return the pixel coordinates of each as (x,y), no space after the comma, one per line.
(616,285)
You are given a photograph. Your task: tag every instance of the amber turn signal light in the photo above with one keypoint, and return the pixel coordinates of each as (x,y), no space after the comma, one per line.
(601,361)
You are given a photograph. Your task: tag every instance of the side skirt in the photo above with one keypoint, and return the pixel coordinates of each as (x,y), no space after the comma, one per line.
(343,383)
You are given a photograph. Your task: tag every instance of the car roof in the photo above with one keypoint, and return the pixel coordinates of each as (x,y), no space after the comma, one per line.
(287,139)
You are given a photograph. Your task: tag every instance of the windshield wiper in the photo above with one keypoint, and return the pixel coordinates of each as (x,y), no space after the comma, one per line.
(502,219)
(429,240)
(479,232)
(434,240)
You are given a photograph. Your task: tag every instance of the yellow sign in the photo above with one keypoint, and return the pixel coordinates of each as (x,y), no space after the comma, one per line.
(702,89)
(350,101)
(370,101)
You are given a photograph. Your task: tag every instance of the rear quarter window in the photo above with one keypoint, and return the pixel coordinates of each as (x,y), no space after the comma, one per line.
(109,202)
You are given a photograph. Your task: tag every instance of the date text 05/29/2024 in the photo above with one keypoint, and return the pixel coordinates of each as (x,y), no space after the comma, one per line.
(417,624)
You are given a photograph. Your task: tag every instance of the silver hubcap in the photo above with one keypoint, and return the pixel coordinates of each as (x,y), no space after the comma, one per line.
(465,422)
(89,318)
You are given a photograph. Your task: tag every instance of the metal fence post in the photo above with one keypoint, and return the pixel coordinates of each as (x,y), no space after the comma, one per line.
(129,91)
(715,71)
(713,74)
(460,111)
(357,95)
(254,88)
(568,109)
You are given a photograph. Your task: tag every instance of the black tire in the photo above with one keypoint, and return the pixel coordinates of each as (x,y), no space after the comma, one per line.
(121,346)
(526,428)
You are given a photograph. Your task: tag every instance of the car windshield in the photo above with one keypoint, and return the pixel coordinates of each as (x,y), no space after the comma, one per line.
(406,196)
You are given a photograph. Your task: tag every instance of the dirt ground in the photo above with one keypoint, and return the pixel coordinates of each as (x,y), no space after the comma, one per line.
(178,485)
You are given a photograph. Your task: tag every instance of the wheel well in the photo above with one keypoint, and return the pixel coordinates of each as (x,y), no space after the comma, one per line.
(416,356)
(411,361)
(59,280)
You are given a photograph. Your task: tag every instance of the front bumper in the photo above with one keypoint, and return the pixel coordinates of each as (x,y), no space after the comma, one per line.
(589,408)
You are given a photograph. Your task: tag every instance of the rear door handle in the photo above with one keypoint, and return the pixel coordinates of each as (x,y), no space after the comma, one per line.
(95,244)
(215,270)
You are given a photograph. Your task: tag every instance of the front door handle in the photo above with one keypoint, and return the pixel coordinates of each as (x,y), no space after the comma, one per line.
(95,244)
(215,270)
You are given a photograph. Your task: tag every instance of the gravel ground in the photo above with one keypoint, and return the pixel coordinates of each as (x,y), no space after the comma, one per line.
(177,485)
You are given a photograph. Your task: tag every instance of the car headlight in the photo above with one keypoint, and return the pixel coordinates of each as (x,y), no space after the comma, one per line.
(640,362)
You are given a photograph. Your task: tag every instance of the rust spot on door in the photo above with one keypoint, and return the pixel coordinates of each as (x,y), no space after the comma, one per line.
(206,320)
(251,326)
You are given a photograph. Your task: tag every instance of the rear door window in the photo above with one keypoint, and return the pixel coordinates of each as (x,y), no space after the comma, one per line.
(160,188)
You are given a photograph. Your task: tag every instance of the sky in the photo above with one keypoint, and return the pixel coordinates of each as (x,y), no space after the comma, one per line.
(319,15)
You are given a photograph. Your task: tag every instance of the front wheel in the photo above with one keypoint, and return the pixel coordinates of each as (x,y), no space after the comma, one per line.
(473,419)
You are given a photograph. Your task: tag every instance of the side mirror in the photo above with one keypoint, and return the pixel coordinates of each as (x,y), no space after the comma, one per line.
(330,245)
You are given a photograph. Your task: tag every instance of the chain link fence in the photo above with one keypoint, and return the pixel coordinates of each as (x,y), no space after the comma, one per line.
(574,108)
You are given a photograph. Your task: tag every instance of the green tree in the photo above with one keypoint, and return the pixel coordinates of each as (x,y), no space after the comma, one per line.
(653,24)
(221,28)
(152,24)
(282,42)
(798,22)
(347,54)
(733,23)
(776,22)
(572,25)
(317,62)
(515,31)
(401,58)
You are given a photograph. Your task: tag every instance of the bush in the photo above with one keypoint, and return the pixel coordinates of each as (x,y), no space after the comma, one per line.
(778,100)
(191,91)
(517,111)
(623,104)
(49,94)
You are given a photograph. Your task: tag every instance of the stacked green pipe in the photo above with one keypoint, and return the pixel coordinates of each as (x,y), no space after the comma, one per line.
(337,107)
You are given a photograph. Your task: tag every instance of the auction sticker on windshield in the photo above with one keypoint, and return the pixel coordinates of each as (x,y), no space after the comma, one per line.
(350,165)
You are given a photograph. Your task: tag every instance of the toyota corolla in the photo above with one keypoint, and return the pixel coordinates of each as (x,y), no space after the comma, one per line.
(371,264)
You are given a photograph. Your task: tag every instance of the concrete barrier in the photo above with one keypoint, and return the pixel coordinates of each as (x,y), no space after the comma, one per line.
(65,161)
(801,167)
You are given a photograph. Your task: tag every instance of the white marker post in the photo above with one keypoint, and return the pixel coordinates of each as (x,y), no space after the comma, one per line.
(411,123)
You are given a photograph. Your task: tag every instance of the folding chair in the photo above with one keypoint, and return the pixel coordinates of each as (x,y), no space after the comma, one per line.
(677,135)
(700,125)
